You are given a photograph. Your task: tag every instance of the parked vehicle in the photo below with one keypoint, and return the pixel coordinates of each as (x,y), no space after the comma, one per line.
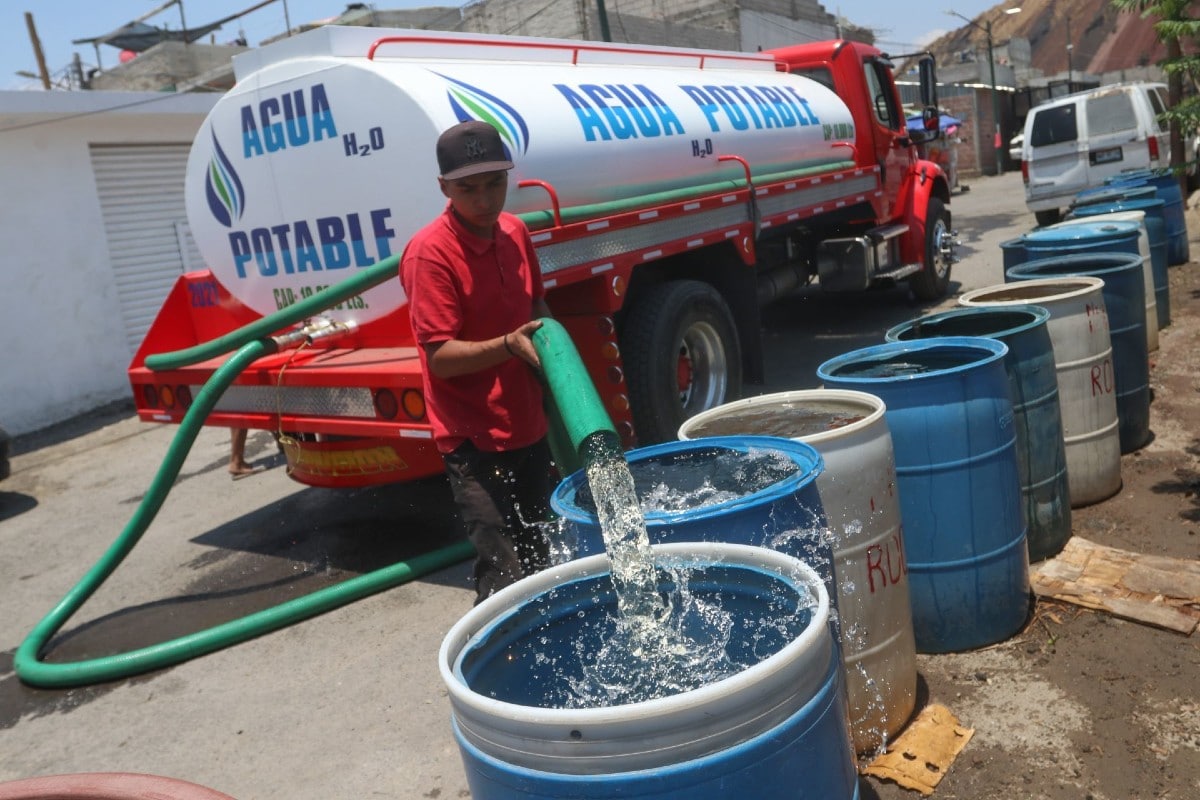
(1016,146)
(669,192)
(1077,141)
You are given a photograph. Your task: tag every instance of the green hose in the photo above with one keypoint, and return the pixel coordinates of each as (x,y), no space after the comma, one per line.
(580,416)
(61,675)
(580,427)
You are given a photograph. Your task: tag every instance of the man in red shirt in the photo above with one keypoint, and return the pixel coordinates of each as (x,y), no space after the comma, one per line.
(475,298)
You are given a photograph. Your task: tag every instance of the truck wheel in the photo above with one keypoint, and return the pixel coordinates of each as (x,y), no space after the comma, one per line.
(1045,218)
(682,356)
(933,282)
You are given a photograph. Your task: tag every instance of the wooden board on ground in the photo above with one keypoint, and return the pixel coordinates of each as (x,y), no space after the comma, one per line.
(920,757)
(1155,590)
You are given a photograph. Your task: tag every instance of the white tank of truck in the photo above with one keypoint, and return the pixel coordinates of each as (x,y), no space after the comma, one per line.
(320,161)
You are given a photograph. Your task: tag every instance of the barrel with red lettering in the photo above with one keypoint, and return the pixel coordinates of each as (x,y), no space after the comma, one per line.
(1125,308)
(1083,366)
(858,492)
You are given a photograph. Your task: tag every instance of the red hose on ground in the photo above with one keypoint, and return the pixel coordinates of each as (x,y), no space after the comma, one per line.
(107,786)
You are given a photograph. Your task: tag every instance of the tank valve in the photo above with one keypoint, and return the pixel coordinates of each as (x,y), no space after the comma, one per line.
(314,330)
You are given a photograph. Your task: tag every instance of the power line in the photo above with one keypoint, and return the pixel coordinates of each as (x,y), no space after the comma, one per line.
(158,97)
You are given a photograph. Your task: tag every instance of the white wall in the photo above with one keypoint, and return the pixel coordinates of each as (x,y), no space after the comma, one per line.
(64,351)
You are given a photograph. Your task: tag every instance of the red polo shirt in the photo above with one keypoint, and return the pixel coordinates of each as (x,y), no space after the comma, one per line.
(464,287)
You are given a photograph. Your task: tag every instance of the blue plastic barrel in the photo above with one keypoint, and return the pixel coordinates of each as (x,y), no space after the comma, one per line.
(1013,252)
(1124,301)
(1099,237)
(1078,329)
(1041,449)
(1166,187)
(1107,236)
(1111,192)
(784,512)
(775,729)
(1156,231)
(951,418)
(1137,218)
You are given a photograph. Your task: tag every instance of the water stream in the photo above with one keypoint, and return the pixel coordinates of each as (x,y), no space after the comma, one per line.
(666,638)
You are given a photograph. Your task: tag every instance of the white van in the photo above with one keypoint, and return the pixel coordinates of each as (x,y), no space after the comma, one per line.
(1077,141)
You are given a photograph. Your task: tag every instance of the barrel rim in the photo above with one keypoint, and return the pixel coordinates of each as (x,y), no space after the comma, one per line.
(1130,204)
(809,469)
(493,610)
(1134,215)
(995,350)
(1116,263)
(1114,228)
(1085,285)
(876,403)
(1039,316)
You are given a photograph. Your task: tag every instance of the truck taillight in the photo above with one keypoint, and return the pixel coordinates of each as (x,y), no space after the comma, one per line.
(385,403)
(1024,170)
(178,398)
(150,396)
(1152,143)
(413,403)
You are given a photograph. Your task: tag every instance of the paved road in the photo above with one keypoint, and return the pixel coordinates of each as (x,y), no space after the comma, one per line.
(348,704)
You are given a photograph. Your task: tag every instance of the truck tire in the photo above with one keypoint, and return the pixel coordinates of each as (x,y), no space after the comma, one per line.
(1045,218)
(933,282)
(682,356)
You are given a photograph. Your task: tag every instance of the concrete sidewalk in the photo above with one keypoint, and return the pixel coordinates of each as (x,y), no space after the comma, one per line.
(348,704)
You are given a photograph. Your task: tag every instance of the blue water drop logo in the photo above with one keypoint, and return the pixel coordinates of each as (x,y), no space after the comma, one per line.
(472,103)
(223,188)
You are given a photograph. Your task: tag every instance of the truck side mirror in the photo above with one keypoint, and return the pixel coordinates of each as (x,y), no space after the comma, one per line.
(928,75)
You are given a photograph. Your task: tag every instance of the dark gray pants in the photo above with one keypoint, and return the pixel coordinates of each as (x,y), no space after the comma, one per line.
(500,497)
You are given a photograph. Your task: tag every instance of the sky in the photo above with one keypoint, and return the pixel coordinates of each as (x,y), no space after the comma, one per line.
(901,27)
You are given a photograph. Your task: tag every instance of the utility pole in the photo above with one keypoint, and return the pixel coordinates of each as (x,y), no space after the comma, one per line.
(605,35)
(182,21)
(999,145)
(37,51)
(987,29)
(1070,48)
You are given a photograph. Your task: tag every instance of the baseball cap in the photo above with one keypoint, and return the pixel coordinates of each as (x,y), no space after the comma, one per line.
(470,148)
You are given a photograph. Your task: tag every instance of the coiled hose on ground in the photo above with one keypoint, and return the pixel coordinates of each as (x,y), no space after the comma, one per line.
(569,385)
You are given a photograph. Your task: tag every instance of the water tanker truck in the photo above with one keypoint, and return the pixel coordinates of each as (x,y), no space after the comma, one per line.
(670,193)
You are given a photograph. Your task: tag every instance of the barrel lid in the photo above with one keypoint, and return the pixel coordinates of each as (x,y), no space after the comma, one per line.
(1131,176)
(993,322)
(1098,264)
(1090,232)
(1100,194)
(931,359)
(1149,204)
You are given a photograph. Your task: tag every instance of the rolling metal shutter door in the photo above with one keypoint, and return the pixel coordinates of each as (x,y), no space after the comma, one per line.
(149,242)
